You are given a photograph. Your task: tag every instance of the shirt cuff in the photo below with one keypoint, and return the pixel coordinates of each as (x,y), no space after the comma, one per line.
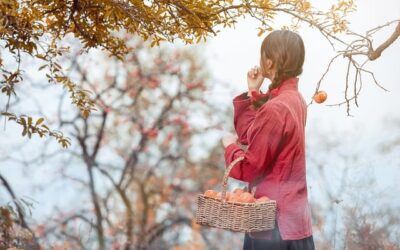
(256,100)
(242,97)
(230,151)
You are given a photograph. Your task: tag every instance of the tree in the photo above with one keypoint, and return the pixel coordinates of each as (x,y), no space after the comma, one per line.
(40,28)
(351,207)
(14,230)
(132,160)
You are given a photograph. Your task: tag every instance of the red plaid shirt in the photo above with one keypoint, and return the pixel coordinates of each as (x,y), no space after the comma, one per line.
(274,133)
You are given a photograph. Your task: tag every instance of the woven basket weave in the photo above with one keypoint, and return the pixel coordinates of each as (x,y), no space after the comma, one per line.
(235,216)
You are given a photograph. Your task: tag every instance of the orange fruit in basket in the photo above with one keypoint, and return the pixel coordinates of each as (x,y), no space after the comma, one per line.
(246,197)
(219,195)
(262,199)
(227,195)
(238,191)
(233,197)
(210,193)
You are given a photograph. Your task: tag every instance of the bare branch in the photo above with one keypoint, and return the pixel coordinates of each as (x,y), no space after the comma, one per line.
(374,54)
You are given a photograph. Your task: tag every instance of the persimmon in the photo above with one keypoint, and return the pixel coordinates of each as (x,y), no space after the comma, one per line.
(262,199)
(246,197)
(233,197)
(219,195)
(238,191)
(320,96)
(238,195)
(227,195)
(210,193)
(151,133)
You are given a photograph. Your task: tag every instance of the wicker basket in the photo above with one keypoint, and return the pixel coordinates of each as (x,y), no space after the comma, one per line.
(235,216)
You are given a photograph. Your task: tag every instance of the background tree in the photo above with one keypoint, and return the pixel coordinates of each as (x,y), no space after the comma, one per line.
(351,209)
(133,160)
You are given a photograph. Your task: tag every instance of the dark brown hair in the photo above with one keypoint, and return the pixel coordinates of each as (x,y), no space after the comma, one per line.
(286,51)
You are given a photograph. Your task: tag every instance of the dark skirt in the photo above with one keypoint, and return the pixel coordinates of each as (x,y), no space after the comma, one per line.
(276,243)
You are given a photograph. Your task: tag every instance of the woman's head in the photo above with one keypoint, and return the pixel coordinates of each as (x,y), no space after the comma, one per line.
(282,56)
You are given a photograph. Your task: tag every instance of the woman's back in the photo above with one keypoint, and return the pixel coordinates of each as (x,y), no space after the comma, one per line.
(273,127)
(285,179)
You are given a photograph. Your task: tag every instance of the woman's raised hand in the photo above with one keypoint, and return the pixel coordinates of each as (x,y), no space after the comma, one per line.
(254,78)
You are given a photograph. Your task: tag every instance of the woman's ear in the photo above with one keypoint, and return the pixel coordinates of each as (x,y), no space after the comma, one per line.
(266,66)
(269,64)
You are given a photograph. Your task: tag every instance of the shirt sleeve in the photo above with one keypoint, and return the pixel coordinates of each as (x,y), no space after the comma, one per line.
(265,139)
(243,116)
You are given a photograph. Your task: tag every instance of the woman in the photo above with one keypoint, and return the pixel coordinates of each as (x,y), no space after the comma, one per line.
(272,125)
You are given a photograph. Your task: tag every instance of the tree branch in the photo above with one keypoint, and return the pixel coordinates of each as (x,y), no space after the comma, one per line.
(374,54)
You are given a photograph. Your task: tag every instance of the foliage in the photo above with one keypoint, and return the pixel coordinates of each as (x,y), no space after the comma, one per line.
(39,29)
(30,127)
(12,234)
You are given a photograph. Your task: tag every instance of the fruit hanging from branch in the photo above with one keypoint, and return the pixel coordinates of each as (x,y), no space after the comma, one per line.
(320,96)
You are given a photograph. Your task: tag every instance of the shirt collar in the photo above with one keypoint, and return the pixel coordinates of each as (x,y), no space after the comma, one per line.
(258,98)
(288,84)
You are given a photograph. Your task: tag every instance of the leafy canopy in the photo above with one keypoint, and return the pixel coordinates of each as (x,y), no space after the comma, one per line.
(39,28)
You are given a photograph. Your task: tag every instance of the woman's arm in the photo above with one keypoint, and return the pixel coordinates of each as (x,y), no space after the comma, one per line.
(264,142)
(244,113)
(243,116)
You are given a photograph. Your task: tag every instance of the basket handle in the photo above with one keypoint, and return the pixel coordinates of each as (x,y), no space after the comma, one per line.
(226,175)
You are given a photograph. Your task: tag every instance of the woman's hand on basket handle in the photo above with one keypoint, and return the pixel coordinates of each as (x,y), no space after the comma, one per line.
(228,139)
